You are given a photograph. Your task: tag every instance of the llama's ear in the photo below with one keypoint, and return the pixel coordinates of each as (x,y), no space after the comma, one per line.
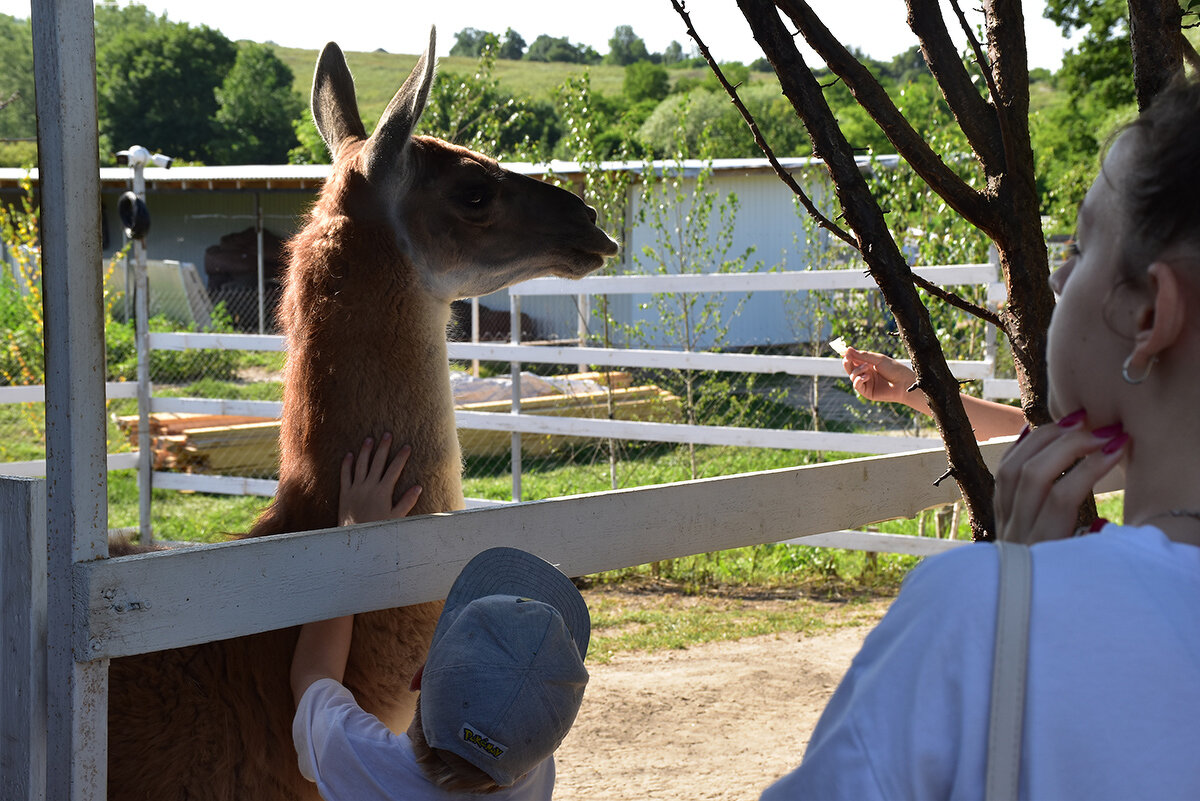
(400,117)
(334,107)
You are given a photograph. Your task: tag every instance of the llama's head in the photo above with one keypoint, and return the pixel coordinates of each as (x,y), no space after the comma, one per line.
(467,225)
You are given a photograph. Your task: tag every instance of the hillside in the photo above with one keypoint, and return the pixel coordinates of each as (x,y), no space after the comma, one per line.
(377,75)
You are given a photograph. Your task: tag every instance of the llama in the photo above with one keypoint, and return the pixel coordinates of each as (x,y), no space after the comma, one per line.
(405,225)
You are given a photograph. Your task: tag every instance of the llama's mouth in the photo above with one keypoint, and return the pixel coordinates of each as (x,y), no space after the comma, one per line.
(579,263)
(585,257)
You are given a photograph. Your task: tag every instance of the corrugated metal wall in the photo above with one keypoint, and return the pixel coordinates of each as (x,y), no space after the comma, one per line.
(184,223)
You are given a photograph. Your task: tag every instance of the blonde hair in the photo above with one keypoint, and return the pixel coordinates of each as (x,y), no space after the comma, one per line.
(444,769)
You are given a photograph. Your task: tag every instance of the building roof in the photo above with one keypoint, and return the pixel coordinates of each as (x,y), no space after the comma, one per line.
(251,177)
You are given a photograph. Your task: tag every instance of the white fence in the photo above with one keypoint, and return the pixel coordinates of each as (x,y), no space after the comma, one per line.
(518,423)
(69,609)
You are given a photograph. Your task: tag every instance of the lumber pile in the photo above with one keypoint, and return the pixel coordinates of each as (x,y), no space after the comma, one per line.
(231,445)
(249,446)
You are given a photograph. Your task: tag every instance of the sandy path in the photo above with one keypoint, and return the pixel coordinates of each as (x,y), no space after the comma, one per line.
(716,721)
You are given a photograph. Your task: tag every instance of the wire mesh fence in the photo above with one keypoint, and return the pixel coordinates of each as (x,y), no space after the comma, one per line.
(236,292)
(239,438)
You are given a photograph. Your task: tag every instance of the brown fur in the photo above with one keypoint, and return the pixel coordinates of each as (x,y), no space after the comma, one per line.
(395,236)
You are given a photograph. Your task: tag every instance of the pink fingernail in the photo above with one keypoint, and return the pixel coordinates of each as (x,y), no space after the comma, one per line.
(1115,444)
(1074,418)
(1108,431)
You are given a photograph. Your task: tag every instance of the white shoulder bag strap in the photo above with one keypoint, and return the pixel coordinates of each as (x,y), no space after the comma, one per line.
(1009,668)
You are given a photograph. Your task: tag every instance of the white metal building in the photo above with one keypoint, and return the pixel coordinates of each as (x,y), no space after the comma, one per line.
(192,208)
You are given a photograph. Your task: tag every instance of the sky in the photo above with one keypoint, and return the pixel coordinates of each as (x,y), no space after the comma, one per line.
(875,26)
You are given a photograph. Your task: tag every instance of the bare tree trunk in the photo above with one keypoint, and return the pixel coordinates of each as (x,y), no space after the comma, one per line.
(1157,43)
(884,260)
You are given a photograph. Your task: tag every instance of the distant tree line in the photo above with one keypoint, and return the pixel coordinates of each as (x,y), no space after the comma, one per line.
(189,92)
(624,48)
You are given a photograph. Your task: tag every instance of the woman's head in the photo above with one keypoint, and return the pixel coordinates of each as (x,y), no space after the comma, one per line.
(1137,247)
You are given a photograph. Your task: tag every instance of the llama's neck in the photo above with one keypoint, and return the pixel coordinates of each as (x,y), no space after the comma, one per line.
(367,355)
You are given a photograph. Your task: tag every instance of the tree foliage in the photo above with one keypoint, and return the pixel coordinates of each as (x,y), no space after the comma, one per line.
(551,48)
(475,112)
(157,80)
(646,81)
(469,42)
(673,53)
(1100,66)
(257,109)
(17,107)
(626,47)
(513,46)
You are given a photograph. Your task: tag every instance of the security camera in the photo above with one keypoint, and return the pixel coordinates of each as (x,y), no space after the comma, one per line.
(138,156)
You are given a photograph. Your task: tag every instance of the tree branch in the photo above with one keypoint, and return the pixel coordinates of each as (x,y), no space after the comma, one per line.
(958,302)
(872,97)
(759,139)
(1157,40)
(977,119)
(887,265)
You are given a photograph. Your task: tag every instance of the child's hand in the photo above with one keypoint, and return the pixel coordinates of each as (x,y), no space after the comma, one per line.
(878,377)
(367,487)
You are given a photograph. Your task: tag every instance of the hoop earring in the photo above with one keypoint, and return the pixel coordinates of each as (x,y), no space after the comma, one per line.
(1139,379)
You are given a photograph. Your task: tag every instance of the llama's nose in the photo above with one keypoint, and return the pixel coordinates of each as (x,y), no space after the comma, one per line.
(591,213)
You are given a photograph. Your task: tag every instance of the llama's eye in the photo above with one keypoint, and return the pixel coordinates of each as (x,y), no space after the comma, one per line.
(475,197)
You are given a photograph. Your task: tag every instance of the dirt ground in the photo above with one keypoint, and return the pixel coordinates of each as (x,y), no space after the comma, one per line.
(715,721)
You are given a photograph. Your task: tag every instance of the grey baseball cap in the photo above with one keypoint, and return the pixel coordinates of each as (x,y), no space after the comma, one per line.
(505,675)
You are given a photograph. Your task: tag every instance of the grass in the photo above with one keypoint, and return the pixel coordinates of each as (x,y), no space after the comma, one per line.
(181,516)
(377,75)
(587,469)
(655,616)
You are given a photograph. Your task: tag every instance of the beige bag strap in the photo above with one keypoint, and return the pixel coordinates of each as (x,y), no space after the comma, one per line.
(1009,667)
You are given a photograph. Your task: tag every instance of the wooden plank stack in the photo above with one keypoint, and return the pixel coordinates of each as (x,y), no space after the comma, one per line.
(230,445)
(249,446)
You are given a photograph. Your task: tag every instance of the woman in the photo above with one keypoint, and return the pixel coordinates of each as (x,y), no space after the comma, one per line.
(1113,694)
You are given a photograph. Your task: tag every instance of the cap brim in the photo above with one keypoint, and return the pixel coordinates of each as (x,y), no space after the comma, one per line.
(511,571)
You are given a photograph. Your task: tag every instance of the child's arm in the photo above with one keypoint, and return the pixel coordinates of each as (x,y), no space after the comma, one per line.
(881,378)
(366,496)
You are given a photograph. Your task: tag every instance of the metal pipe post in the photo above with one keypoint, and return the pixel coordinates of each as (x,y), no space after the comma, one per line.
(141,331)
(514,327)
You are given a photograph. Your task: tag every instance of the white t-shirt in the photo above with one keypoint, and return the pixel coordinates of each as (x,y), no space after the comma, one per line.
(352,756)
(1112,708)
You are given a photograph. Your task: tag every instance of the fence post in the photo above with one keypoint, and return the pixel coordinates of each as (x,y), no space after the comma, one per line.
(141,336)
(992,301)
(258,230)
(475,334)
(514,327)
(64,57)
(583,304)
(23,639)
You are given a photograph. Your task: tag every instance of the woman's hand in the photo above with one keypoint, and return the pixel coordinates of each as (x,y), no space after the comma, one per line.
(369,481)
(880,378)
(1047,474)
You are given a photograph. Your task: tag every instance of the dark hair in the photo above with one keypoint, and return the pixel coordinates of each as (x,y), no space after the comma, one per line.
(1162,195)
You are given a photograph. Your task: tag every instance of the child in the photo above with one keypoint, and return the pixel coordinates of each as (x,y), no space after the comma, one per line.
(499,691)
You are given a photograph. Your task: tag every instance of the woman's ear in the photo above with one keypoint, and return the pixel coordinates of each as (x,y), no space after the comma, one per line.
(1162,320)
